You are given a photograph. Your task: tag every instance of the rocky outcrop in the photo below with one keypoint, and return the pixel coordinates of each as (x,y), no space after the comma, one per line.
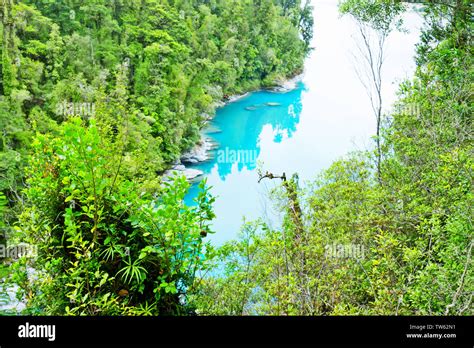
(288,85)
(179,169)
(199,153)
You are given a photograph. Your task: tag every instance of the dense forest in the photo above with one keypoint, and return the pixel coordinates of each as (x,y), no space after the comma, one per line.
(99,98)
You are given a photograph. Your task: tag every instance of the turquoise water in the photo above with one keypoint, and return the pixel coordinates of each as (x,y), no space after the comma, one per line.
(302,131)
(245,131)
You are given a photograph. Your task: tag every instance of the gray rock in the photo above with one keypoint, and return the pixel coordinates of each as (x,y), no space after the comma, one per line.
(189,173)
(288,85)
(199,153)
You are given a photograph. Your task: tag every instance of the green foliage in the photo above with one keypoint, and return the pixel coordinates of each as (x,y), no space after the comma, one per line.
(105,246)
(381,15)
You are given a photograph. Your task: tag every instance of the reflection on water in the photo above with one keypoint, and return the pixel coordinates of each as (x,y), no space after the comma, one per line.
(237,128)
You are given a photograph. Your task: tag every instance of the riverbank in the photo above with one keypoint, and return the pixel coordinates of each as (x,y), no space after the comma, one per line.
(202,151)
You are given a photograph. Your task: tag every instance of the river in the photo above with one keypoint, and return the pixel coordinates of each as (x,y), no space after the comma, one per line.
(304,130)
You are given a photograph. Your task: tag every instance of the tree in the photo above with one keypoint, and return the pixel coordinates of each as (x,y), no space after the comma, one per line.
(377,17)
